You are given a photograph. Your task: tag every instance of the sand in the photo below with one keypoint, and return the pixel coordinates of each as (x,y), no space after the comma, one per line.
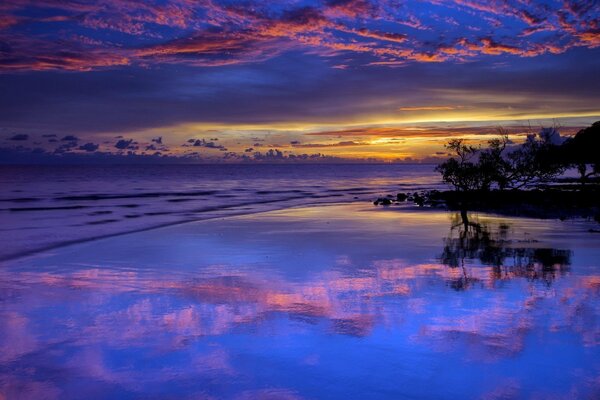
(340,301)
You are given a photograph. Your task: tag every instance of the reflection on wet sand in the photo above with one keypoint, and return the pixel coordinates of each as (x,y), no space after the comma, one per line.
(491,245)
(223,331)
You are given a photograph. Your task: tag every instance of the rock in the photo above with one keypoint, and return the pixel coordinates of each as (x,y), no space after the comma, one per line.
(419,200)
(437,203)
(383,201)
(401,197)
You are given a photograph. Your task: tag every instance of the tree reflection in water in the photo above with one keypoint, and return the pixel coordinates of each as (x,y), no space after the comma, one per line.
(490,244)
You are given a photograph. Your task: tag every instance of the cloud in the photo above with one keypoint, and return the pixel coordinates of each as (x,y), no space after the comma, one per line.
(351,8)
(179,68)
(37,54)
(123,144)
(207,144)
(215,34)
(363,144)
(428,131)
(386,36)
(276,155)
(427,108)
(89,147)
(19,137)
(346,143)
(65,156)
(379,132)
(65,147)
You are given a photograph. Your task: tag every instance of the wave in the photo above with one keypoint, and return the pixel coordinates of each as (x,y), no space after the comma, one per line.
(86,204)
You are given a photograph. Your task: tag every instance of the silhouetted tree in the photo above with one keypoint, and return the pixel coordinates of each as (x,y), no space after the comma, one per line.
(535,161)
(475,169)
(494,168)
(583,152)
(462,172)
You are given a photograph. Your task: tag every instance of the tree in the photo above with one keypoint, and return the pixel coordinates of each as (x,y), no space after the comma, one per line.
(462,172)
(475,169)
(493,164)
(536,161)
(583,152)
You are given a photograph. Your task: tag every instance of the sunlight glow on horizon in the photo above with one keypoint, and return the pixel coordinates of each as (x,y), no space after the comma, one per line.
(301,80)
(400,141)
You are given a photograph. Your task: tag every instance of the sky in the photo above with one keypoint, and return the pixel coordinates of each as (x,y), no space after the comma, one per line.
(288,81)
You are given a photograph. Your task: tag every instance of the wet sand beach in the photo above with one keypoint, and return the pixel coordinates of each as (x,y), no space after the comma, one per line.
(331,301)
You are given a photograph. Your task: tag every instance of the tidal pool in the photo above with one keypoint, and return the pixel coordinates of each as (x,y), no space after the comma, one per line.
(325,302)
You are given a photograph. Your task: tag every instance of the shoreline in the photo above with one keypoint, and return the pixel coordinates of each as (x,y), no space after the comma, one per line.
(403,206)
(58,245)
(47,208)
(546,203)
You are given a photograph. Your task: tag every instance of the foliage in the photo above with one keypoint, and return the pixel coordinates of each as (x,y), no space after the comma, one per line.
(474,169)
(535,161)
(461,172)
(583,152)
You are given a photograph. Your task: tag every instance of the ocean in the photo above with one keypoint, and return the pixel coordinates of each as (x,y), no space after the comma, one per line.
(285,282)
(42,207)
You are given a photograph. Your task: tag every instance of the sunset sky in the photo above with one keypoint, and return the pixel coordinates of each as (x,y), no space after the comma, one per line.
(261,81)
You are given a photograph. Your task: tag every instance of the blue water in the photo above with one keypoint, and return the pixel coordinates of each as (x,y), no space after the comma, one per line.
(45,206)
(332,298)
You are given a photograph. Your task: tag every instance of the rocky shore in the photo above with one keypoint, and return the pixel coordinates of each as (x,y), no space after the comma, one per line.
(547,202)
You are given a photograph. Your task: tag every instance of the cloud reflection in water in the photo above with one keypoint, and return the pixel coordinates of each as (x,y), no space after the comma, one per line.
(490,303)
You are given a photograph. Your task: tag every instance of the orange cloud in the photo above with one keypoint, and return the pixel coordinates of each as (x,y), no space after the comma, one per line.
(338,144)
(388,36)
(408,132)
(212,34)
(428,108)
